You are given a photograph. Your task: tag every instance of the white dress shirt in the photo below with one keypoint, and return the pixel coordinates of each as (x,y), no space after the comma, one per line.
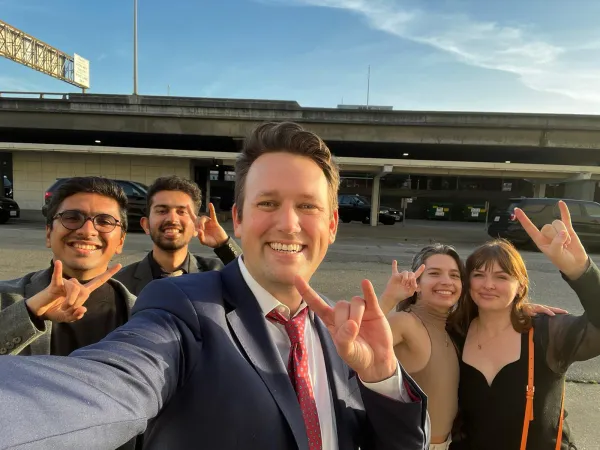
(392,387)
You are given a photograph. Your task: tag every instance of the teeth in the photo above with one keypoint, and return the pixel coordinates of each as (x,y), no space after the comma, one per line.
(290,248)
(84,247)
(444,292)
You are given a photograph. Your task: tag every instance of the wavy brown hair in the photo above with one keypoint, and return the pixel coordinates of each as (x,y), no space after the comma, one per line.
(509,259)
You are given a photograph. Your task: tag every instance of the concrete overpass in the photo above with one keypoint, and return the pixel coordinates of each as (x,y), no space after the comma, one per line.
(52,131)
(235,118)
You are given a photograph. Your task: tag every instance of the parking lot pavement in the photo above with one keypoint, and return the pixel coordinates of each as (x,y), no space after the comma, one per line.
(362,252)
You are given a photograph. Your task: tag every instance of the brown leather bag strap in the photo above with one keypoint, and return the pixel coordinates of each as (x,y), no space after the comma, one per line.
(529,394)
(561,418)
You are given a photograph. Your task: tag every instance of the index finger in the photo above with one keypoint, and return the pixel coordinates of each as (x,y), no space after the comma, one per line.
(192,213)
(565,216)
(370,297)
(57,277)
(313,300)
(101,279)
(212,213)
(394,267)
(529,227)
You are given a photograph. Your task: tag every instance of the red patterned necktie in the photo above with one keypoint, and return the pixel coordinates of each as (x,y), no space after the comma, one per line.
(298,372)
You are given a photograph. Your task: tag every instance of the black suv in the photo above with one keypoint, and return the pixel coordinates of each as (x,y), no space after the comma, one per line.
(356,207)
(585,216)
(136,198)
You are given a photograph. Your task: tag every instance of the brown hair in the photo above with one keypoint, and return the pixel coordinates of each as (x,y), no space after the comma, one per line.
(420,259)
(291,138)
(503,253)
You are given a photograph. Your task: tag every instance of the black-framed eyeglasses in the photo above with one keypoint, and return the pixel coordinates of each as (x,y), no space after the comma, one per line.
(74,220)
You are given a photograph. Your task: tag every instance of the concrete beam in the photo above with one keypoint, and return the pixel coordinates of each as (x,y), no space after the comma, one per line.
(236,118)
(365,165)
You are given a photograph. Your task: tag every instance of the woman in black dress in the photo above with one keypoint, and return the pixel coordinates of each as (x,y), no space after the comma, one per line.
(493,332)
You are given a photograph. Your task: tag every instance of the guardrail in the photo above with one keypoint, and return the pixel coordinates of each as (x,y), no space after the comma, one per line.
(19,94)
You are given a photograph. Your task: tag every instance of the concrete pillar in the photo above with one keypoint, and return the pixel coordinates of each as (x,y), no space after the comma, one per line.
(375,200)
(580,190)
(539,190)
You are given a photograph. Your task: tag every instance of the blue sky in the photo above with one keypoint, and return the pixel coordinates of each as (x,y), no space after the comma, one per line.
(462,55)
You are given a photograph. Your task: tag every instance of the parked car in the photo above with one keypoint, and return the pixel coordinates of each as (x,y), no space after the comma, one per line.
(9,209)
(356,207)
(8,188)
(585,216)
(136,197)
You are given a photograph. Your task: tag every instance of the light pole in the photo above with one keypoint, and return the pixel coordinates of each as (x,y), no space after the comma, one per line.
(135,68)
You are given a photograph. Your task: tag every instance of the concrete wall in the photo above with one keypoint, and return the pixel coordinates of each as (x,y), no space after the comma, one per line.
(580,190)
(34,172)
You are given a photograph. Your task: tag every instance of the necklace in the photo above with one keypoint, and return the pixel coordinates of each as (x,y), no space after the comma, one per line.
(491,339)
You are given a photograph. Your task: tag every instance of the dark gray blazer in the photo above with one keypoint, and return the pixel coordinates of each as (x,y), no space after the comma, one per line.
(197,371)
(18,334)
(137,275)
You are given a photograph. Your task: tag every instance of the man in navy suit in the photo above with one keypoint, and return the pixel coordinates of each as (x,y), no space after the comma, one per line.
(246,358)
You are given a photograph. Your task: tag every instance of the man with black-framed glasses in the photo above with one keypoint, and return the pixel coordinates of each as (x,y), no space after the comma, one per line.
(74,302)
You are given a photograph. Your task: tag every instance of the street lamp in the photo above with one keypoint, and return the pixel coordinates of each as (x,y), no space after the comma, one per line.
(135,69)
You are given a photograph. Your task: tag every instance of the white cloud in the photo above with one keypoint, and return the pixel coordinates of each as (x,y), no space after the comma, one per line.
(538,63)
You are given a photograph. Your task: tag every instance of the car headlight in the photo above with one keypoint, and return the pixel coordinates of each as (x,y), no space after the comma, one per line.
(383,211)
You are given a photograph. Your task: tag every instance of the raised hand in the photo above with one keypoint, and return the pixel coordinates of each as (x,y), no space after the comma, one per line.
(400,286)
(62,300)
(559,242)
(360,331)
(210,232)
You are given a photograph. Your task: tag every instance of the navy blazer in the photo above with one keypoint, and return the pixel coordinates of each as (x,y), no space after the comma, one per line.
(194,368)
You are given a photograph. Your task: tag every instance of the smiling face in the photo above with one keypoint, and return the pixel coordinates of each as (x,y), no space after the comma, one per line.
(492,288)
(440,285)
(169,225)
(85,253)
(287,221)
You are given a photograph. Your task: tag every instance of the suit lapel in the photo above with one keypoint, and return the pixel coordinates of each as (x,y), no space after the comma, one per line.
(337,375)
(143,273)
(250,329)
(122,291)
(38,283)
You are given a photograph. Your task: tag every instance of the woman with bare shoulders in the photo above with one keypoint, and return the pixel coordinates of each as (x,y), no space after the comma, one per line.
(512,366)
(417,304)
(423,298)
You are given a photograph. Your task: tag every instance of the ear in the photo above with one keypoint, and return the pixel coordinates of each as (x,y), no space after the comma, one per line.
(237,221)
(145,223)
(333,226)
(119,249)
(48,233)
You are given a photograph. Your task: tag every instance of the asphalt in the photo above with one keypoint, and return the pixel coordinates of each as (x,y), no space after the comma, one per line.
(361,251)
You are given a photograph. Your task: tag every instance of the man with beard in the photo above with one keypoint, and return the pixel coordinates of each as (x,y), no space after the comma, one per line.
(171,223)
(70,304)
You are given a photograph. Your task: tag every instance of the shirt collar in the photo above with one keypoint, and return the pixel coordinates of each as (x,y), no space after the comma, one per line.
(158,272)
(266,301)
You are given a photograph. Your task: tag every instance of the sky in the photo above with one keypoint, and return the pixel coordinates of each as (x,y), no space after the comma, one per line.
(540,56)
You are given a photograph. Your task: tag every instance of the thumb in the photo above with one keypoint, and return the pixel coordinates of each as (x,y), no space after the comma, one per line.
(345,337)
(350,330)
(558,242)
